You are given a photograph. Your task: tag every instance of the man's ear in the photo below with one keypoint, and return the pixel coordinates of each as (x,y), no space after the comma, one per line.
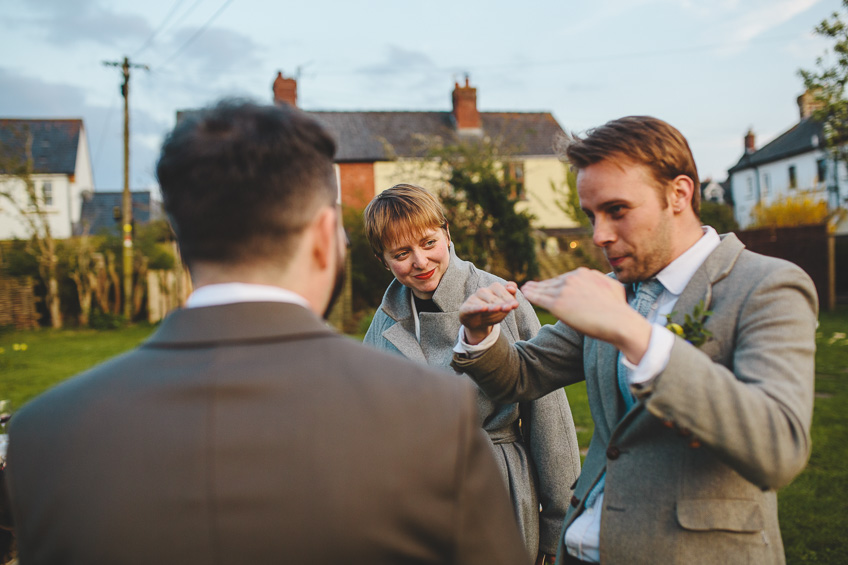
(680,193)
(324,237)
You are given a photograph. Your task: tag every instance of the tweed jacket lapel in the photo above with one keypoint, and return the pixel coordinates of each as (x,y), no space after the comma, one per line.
(717,266)
(245,322)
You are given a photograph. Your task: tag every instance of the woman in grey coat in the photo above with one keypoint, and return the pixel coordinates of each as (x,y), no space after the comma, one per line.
(535,444)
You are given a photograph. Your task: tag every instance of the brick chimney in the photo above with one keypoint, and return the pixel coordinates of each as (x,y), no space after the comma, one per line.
(285,90)
(465,107)
(807,103)
(750,145)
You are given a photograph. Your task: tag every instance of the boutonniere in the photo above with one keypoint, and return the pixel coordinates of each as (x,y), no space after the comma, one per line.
(693,329)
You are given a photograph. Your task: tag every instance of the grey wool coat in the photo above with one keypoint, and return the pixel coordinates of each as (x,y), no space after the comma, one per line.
(693,468)
(540,461)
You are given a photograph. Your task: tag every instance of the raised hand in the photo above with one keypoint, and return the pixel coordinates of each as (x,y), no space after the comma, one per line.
(485,308)
(595,305)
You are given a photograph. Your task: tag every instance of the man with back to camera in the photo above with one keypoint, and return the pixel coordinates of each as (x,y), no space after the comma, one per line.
(694,433)
(245,430)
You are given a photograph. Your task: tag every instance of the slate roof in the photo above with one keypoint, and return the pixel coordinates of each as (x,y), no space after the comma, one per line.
(98,211)
(803,137)
(379,136)
(54,144)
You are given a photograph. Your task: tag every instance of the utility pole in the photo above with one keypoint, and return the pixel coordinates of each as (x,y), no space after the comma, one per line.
(126,207)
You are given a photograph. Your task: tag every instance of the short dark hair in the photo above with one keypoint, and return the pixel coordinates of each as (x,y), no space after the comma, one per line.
(240,181)
(643,140)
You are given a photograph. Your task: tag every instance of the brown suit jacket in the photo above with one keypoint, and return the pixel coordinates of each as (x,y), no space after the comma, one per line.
(252,433)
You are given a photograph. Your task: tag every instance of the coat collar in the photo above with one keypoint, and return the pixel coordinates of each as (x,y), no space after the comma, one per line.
(239,322)
(449,296)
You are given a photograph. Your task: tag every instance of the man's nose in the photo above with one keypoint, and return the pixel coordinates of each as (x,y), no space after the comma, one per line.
(603,233)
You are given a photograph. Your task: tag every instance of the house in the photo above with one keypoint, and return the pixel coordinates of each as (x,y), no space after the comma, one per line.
(714,191)
(61,172)
(378,149)
(795,162)
(101,211)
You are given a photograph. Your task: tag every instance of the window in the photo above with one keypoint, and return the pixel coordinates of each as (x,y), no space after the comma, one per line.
(793,177)
(47,193)
(821,170)
(766,183)
(515,176)
(750,188)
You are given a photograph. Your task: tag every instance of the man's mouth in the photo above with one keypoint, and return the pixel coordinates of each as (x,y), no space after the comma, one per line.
(616,261)
(425,276)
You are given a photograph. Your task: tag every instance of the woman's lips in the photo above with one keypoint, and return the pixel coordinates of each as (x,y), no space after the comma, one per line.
(425,276)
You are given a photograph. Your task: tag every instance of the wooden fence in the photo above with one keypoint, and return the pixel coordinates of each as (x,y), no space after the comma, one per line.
(809,247)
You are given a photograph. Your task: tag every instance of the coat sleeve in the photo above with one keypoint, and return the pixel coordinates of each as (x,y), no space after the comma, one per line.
(528,369)
(754,410)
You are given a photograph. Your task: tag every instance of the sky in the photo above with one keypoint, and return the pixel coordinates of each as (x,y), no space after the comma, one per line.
(713,69)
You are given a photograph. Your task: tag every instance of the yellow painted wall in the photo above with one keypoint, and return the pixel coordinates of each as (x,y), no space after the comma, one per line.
(538,174)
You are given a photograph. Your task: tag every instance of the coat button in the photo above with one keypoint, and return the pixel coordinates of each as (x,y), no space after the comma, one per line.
(574,501)
(613,452)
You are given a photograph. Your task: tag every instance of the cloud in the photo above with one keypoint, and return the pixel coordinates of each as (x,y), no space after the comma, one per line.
(765,16)
(72,22)
(215,51)
(400,60)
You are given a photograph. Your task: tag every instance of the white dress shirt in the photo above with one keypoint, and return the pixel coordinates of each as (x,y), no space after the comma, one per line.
(582,539)
(231,293)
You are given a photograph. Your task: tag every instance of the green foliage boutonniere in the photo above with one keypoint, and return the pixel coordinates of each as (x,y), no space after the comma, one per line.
(692,329)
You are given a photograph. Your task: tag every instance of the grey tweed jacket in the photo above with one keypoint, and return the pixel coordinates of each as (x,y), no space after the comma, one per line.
(693,468)
(541,461)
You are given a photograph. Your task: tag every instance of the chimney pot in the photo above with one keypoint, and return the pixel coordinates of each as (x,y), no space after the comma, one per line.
(285,90)
(750,142)
(465,107)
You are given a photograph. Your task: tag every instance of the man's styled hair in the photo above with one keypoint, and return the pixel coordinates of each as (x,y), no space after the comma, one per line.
(401,212)
(240,181)
(643,140)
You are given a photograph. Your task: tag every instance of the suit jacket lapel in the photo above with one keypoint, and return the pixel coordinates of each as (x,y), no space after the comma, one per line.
(716,267)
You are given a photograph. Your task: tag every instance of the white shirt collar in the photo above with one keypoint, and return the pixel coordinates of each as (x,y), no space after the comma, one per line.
(231,293)
(679,272)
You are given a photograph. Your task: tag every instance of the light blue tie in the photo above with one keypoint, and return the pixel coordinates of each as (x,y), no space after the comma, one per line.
(646,295)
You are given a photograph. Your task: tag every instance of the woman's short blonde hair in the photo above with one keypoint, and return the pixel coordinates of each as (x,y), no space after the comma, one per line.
(401,212)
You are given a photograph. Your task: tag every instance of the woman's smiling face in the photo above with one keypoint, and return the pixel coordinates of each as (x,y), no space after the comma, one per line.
(419,263)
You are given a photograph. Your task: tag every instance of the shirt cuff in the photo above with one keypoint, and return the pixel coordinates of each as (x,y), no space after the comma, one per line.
(655,359)
(464,348)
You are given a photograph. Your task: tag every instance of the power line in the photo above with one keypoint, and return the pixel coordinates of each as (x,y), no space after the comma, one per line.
(196,34)
(162,26)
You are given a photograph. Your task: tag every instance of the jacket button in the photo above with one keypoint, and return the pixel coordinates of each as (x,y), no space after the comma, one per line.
(613,452)
(574,501)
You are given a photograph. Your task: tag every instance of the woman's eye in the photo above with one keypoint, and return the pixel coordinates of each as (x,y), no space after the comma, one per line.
(400,255)
(431,243)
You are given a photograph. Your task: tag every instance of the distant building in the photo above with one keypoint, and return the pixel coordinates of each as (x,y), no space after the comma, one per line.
(714,191)
(101,211)
(378,149)
(794,162)
(61,172)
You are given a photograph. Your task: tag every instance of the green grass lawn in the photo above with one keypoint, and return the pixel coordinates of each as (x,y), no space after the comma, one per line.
(813,509)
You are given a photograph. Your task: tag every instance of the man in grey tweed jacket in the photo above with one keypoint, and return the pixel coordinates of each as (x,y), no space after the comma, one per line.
(692,437)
